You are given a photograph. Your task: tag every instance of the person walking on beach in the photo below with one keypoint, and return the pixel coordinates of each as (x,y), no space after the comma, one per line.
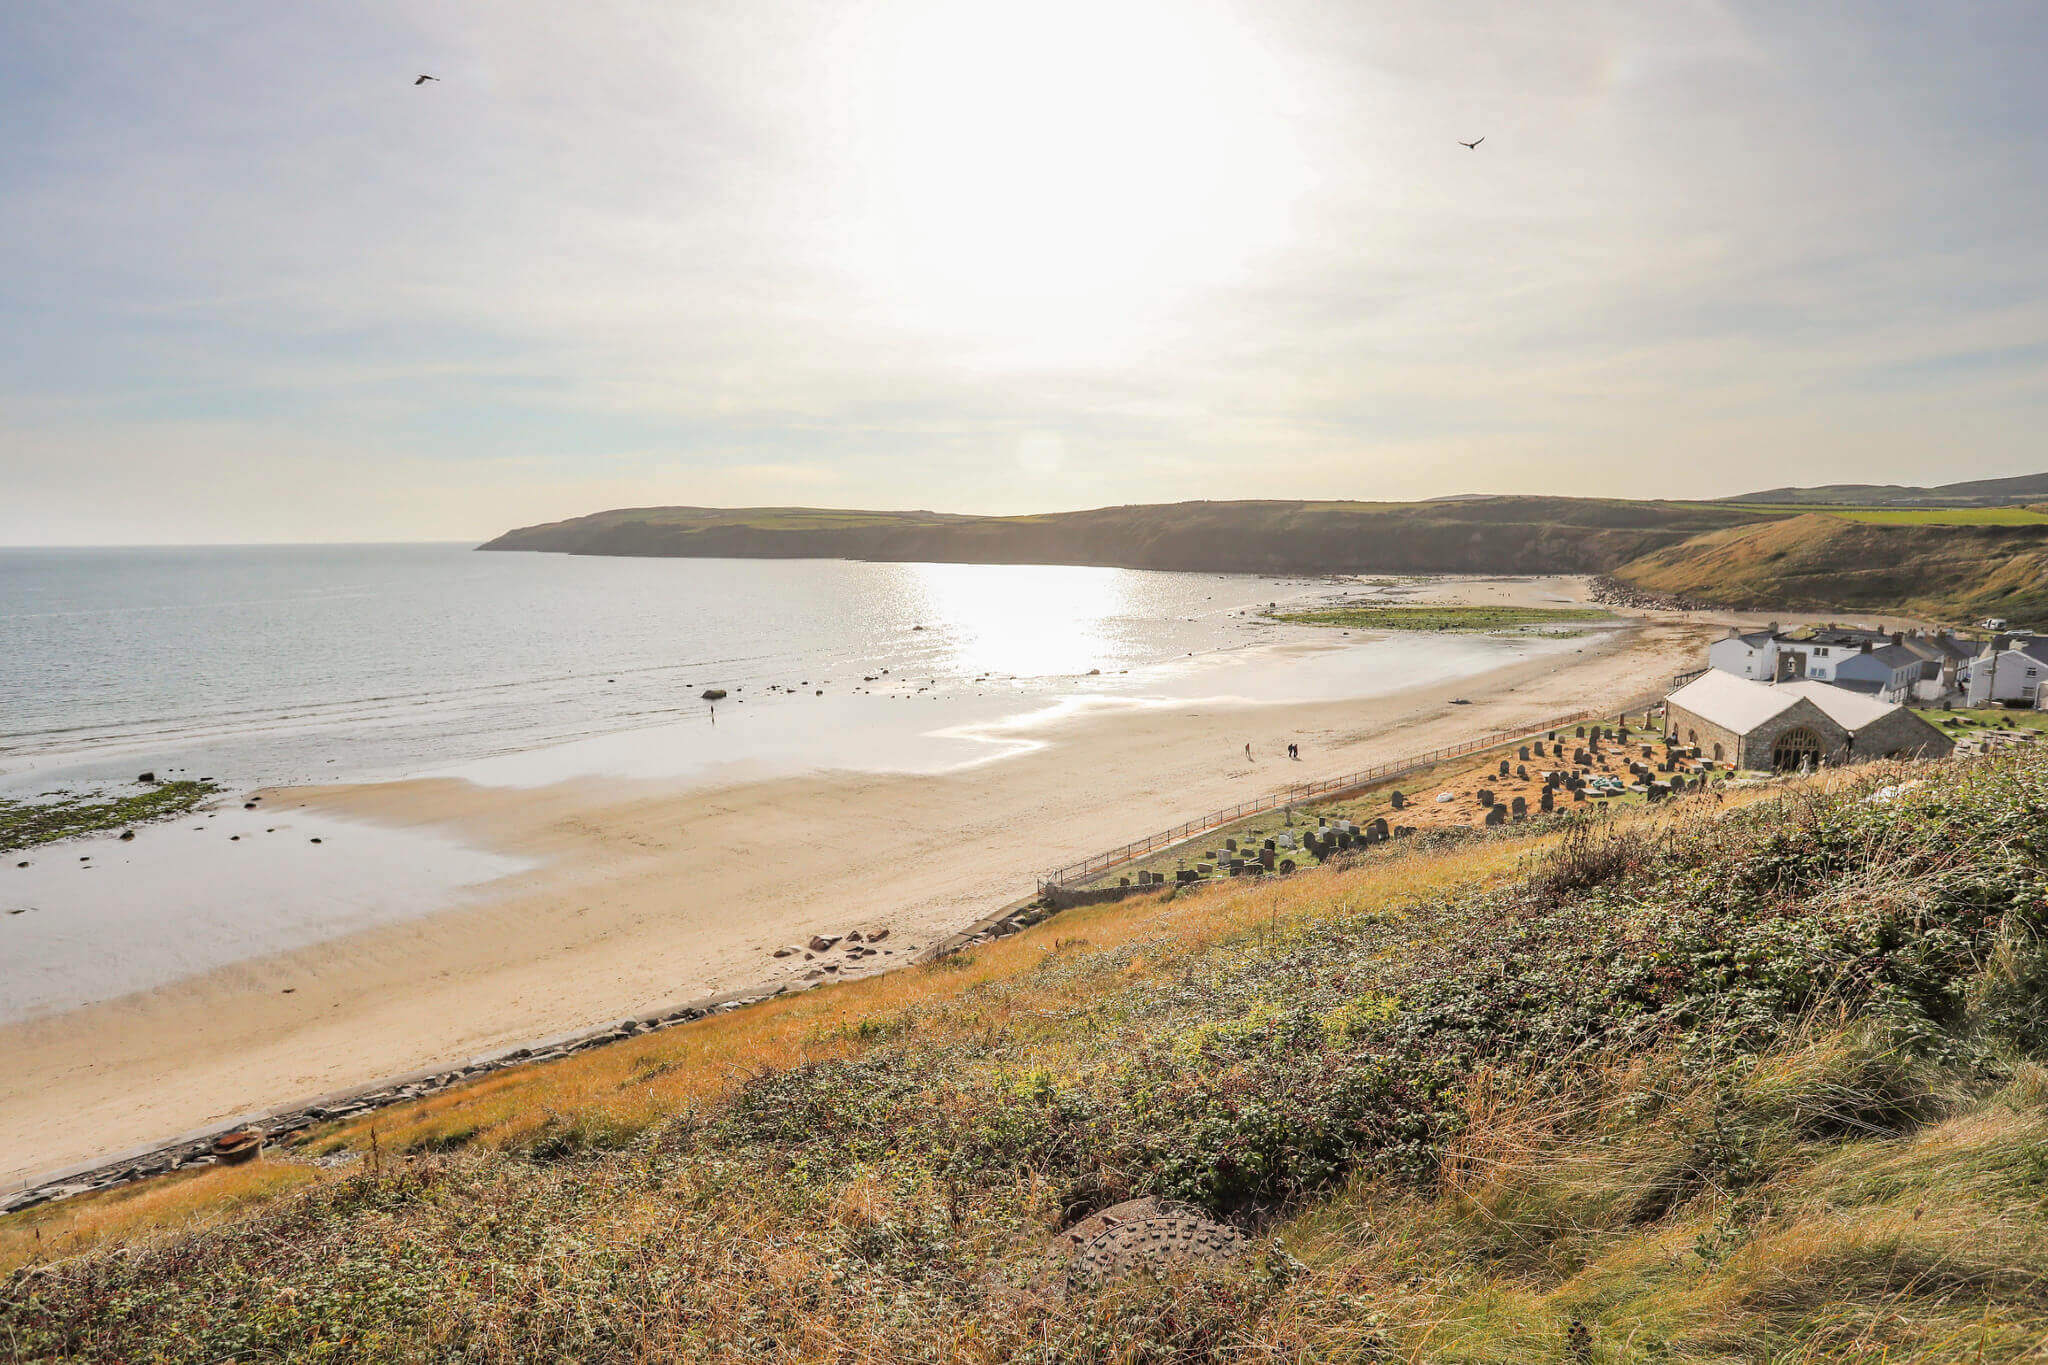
(1247,749)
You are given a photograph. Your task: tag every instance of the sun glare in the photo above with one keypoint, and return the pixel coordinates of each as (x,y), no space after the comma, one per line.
(1050,177)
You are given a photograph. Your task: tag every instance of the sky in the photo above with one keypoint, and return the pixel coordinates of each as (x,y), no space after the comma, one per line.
(987,256)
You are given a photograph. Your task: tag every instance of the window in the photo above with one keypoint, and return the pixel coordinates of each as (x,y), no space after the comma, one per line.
(1820,654)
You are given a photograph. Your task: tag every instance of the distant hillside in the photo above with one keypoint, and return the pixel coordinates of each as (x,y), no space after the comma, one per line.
(1470,535)
(1820,561)
(1975,493)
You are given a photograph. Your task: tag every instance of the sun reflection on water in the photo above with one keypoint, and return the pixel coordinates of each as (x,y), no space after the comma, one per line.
(1030,620)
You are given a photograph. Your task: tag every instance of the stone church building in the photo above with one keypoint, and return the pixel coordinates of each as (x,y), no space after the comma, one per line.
(1761,725)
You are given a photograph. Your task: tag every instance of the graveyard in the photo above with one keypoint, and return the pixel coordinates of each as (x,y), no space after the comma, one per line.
(1988,726)
(1568,774)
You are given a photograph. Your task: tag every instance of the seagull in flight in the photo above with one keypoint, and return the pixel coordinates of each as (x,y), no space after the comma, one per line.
(424,79)
(1471,146)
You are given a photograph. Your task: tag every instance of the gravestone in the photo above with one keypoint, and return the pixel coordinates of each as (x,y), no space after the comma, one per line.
(1485,797)
(1581,734)
(1396,800)
(1286,841)
(1187,874)
(1230,844)
(1523,753)
(1522,772)
(1518,807)
(1378,829)
(1287,864)
(1503,768)
(1496,814)
(1546,802)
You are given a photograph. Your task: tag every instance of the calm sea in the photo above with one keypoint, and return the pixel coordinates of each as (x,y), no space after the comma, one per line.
(257,665)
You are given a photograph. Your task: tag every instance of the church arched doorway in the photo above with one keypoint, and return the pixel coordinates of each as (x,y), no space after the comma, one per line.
(1795,748)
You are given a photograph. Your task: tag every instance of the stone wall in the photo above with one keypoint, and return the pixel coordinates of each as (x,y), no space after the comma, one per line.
(1902,734)
(1801,715)
(1689,728)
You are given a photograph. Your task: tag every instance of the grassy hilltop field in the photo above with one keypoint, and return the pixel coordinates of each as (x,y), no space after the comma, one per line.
(1760,1076)
(1952,554)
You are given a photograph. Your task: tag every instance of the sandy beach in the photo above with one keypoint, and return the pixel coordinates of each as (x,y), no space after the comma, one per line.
(635,894)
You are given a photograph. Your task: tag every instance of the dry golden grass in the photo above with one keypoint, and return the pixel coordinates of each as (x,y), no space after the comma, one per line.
(627,1086)
(623,1088)
(1618,1186)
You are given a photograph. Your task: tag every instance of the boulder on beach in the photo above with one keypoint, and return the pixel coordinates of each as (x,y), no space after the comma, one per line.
(713,694)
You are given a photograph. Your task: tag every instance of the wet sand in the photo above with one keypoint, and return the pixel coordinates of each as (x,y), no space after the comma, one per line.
(641,893)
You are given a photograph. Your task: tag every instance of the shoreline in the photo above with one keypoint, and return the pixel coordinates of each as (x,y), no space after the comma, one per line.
(649,897)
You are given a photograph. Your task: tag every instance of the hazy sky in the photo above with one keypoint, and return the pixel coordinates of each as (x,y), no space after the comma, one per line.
(975,255)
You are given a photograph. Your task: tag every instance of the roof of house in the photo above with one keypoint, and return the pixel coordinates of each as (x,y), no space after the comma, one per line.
(1891,656)
(1867,686)
(1940,647)
(1730,702)
(1740,705)
(1846,709)
(1833,635)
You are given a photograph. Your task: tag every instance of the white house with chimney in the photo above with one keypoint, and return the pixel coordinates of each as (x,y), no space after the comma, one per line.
(2009,672)
(1899,666)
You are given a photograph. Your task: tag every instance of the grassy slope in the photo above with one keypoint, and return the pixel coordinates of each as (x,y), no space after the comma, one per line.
(2022,488)
(1823,561)
(1520,534)
(1440,618)
(1913,516)
(1757,1084)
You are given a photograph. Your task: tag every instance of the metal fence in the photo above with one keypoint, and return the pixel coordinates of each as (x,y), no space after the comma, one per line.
(1089,868)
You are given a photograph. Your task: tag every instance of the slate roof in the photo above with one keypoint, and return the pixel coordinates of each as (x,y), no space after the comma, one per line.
(1740,705)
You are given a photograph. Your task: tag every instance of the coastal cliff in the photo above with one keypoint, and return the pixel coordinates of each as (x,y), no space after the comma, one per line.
(1474,535)
(1945,564)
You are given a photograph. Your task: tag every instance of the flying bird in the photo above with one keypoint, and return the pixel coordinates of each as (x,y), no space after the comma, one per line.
(1471,146)
(424,79)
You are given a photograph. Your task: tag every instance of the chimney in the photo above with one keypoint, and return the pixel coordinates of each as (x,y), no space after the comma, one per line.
(1898,637)
(2000,641)
(1865,649)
